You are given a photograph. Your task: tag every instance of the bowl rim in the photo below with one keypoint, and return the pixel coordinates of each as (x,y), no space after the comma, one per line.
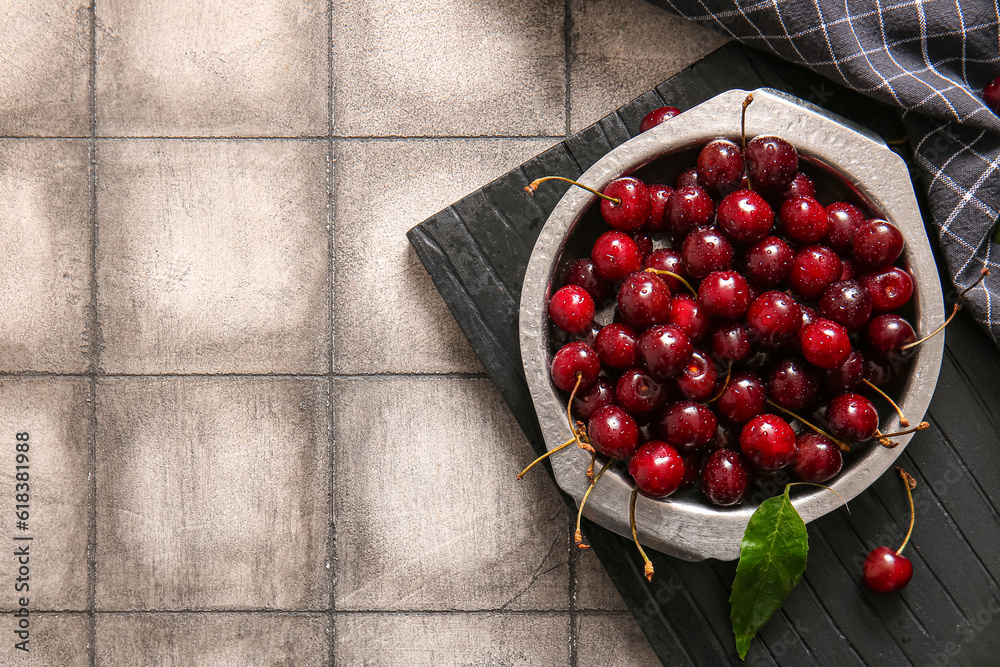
(680,527)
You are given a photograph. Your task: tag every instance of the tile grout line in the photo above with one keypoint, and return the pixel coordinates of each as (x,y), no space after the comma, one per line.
(94,345)
(567,118)
(331,340)
(451,375)
(314,138)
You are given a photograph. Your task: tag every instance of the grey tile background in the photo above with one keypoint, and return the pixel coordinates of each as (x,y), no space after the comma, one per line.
(262,437)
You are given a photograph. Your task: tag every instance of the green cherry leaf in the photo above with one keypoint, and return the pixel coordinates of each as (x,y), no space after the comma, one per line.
(772,560)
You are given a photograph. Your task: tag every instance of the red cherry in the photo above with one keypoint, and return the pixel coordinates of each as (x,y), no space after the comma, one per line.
(618,346)
(877,243)
(635,203)
(745,216)
(615,255)
(644,300)
(659,195)
(774,318)
(665,259)
(689,207)
(724,477)
(705,250)
(885,337)
(847,376)
(825,344)
(686,178)
(731,342)
(768,441)
(657,468)
(598,395)
(890,287)
(814,268)
(573,358)
(792,384)
(658,116)
(743,398)
(666,351)
(582,273)
(720,167)
(724,294)
(885,571)
(772,164)
(817,458)
(688,426)
(638,393)
(852,417)
(644,243)
(613,432)
(699,378)
(769,262)
(843,220)
(847,303)
(804,219)
(688,315)
(800,185)
(571,308)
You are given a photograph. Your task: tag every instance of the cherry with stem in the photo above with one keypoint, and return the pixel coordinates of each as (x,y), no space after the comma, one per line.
(887,571)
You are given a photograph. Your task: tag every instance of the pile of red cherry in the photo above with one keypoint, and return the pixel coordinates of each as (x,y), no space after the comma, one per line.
(741,302)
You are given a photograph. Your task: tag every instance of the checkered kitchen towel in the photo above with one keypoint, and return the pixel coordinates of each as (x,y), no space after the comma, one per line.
(930,58)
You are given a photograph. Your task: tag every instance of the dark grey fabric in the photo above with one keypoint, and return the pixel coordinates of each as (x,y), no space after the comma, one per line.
(930,58)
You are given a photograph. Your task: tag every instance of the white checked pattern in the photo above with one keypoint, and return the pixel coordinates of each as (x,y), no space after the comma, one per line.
(931,58)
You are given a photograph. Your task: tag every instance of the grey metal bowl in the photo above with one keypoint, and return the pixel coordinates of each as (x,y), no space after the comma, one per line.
(689,527)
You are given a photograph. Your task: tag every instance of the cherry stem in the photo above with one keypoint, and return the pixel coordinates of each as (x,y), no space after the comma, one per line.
(743,135)
(530,189)
(544,456)
(631,517)
(729,374)
(662,272)
(578,535)
(954,311)
(883,438)
(910,483)
(590,468)
(903,421)
(842,446)
(569,415)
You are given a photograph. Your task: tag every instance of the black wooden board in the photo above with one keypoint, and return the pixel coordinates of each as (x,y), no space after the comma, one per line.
(476,252)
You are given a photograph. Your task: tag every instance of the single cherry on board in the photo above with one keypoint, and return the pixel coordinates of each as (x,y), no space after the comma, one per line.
(885,570)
